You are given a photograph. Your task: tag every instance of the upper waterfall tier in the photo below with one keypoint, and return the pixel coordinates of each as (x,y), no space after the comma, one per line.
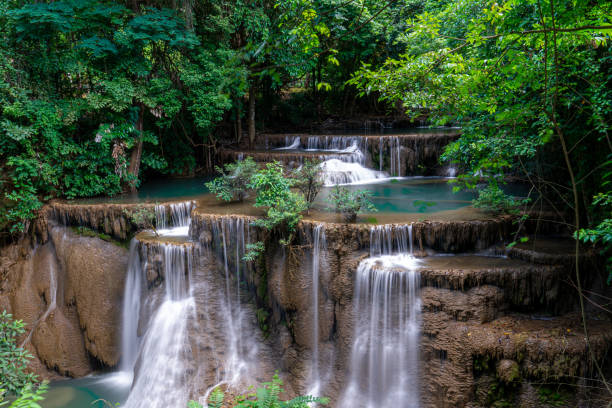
(401,154)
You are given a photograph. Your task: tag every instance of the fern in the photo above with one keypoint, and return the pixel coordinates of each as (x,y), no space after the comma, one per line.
(216,399)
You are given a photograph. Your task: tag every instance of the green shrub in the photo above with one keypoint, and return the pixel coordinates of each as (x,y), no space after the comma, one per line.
(28,397)
(308,180)
(284,207)
(233,181)
(142,217)
(13,359)
(493,199)
(266,396)
(350,203)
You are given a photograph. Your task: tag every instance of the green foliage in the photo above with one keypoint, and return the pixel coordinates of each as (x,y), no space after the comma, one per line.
(601,234)
(254,250)
(284,207)
(262,319)
(515,75)
(13,359)
(308,180)
(266,396)
(216,399)
(28,397)
(233,182)
(350,203)
(552,397)
(491,198)
(141,217)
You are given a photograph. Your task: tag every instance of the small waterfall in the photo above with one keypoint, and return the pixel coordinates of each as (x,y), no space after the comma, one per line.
(130,343)
(318,244)
(162,378)
(387,239)
(230,238)
(380,154)
(290,143)
(339,172)
(384,365)
(180,216)
(395,156)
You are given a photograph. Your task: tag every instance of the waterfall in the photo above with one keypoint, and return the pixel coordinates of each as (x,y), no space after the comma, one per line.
(318,244)
(395,156)
(338,172)
(180,217)
(290,143)
(380,154)
(130,342)
(230,238)
(387,239)
(344,160)
(384,364)
(162,378)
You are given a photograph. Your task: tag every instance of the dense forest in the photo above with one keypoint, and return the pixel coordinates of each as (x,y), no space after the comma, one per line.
(98,97)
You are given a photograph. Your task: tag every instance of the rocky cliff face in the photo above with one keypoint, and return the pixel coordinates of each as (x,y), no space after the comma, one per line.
(487,322)
(68,290)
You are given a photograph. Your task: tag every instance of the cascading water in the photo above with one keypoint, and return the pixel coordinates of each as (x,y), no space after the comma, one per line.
(230,238)
(162,378)
(384,363)
(157,361)
(318,244)
(130,343)
(338,172)
(180,217)
(394,155)
(387,239)
(290,143)
(345,167)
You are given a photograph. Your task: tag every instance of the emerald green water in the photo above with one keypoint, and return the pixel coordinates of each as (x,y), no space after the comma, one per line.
(402,195)
(411,195)
(407,195)
(88,392)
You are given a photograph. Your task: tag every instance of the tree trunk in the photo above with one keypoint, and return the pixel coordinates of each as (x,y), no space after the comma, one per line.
(251,116)
(136,152)
(239,121)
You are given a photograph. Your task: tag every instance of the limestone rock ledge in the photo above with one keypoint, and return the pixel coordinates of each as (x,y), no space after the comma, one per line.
(79,332)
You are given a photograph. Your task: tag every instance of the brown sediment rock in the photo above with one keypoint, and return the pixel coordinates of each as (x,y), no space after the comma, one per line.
(457,355)
(108,218)
(59,343)
(95,275)
(88,274)
(523,285)
(444,236)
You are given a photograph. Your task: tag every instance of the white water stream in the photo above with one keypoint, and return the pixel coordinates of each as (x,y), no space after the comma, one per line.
(384,365)
(318,245)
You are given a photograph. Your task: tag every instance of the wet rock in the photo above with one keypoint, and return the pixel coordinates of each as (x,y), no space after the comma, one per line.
(508,371)
(95,275)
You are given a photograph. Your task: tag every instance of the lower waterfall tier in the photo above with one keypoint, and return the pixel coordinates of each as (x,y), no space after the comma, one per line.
(481,322)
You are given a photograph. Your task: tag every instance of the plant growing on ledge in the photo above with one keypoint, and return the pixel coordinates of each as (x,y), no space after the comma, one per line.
(13,364)
(285,207)
(142,217)
(266,396)
(308,181)
(350,203)
(233,181)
